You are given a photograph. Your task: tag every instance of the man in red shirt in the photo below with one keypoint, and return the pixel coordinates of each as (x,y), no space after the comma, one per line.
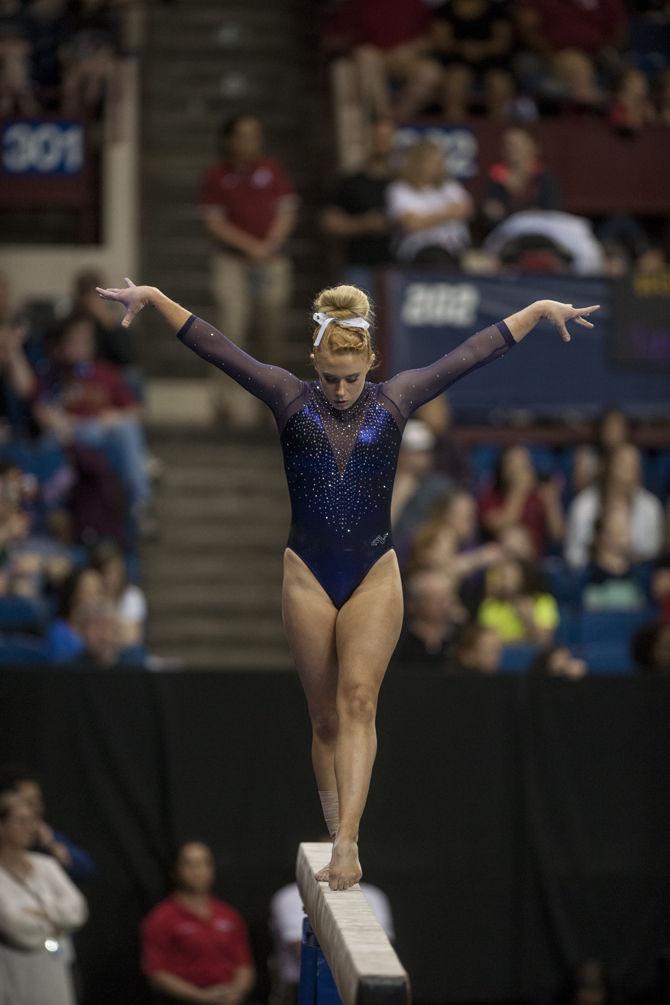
(82,399)
(195,948)
(249,209)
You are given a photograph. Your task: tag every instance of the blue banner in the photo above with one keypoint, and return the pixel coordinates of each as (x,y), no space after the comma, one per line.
(40,147)
(428,314)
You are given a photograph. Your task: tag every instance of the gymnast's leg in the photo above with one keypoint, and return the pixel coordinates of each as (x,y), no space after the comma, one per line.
(367,630)
(309,620)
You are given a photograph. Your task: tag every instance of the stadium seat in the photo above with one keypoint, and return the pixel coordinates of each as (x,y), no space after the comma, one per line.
(20,651)
(611,627)
(517,658)
(20,614)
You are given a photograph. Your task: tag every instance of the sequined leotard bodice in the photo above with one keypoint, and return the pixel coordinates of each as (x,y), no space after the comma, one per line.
(340,464)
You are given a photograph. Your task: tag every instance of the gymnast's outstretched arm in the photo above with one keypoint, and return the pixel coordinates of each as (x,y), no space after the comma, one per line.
(273,385)
(412,388)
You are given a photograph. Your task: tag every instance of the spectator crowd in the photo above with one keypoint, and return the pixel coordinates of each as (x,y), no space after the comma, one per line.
(193,946)
(555,560)
(58,55)
(75,484)
(518,64)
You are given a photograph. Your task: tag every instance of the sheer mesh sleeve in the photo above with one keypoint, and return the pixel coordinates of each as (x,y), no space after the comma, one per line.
(273,385)
(412,388)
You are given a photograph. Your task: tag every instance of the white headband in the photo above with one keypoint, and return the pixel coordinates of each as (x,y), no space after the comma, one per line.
(323,320)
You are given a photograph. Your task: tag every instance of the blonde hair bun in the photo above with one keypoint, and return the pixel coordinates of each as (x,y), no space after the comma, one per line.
(343,302)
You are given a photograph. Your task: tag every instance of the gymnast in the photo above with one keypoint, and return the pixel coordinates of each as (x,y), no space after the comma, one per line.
(341,596)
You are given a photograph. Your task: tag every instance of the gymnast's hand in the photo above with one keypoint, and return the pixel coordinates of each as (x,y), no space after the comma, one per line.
(559,314)
(134,299)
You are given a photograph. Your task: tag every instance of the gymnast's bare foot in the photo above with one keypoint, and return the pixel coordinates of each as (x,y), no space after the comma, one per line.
(323,875)
(344,869)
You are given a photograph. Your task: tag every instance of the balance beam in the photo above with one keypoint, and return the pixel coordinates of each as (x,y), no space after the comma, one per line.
(364,965)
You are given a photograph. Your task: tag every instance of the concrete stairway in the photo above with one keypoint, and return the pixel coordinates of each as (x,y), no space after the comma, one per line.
(214,576)
(206,61)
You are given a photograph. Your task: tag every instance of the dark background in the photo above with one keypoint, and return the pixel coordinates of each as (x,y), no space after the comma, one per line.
(518,826)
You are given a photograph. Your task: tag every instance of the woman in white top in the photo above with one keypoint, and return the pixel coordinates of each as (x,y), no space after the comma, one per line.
(621,481)
(128,599)
(39,907)
(429,209)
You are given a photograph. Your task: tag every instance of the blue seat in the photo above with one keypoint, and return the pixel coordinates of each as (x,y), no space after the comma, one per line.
(606,657)
(22,651)
(18,613)
(517,658)
(611,627)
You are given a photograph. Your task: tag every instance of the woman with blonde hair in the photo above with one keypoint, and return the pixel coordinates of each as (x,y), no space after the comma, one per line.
(342,596)
(430,210)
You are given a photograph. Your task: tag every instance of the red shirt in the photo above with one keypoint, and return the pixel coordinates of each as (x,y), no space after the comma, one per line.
(382,23)
(249,195)
(533,515)
(582,24)
(85,390)
(204,951)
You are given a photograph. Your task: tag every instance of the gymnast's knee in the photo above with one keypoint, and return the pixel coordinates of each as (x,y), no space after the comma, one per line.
(358,703)
(325,725)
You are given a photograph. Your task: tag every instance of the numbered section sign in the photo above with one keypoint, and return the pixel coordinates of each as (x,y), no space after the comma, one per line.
(43,148)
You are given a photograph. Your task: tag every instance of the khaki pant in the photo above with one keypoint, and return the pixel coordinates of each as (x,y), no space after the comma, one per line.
(251,300)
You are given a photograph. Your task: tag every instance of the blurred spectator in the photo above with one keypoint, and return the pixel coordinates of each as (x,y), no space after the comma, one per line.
(515,606)
(650,649)
(612,582)
(446,542)
(357,213)
(575,40)
(48,30)
(478,650)
(450,458)
(16,91)
(249,211)
(79,399)
(101,633)
(113,343)
(519,496)
(547,241)
(620,480)
(417,487)
(558,661)
(660,587)
(194,946)
(472,41)
(39,907)
(519,181)
(88,57)
(429,209)
(627,246)
(387,42)
(585,468)
(612,430)
(516,542)
(435,615)
(286,917)
(17,380)
(31,563)
(82,588)
(589,984)
(77,863)
(128,598)
(663,97)
(632,107)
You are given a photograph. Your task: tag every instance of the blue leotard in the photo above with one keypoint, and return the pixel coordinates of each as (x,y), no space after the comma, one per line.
(340,464)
